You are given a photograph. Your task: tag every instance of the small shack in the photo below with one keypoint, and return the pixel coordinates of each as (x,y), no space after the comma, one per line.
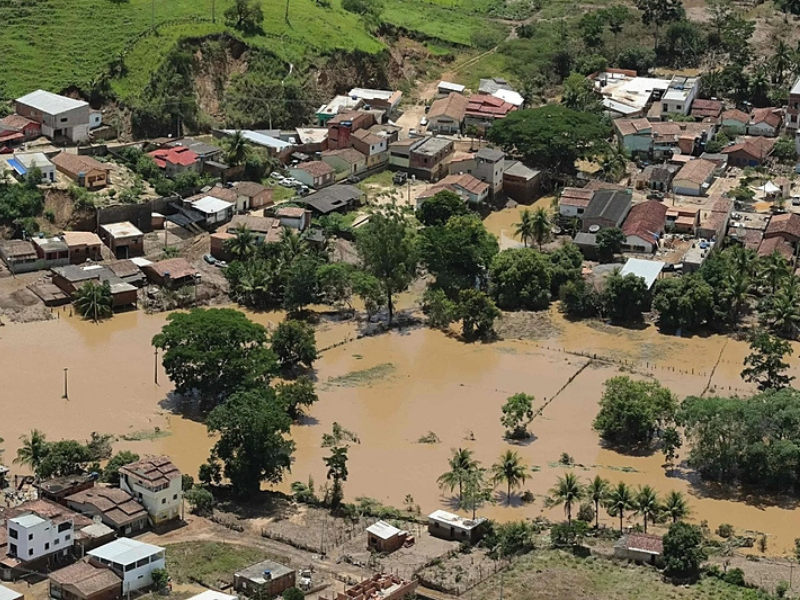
(268,577)
(83,581)
(383,537)
(448,526)
(640,547)
(172,273)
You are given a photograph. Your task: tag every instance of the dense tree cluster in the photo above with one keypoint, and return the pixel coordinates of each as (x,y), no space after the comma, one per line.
(19,204)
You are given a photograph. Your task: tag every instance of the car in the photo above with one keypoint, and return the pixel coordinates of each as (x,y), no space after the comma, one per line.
(427,108)
(400,178)
(285,182)
(353,179)
(655,195)
(221,264)
(304,191)
(276,175)
(795,200)
(424,121)
(209,259)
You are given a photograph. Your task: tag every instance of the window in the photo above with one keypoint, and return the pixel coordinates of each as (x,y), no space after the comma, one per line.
(30,552)
(47,545)
(142,563)
(679,107)
(130,567)
(13,548)
(12,533)
(67,537)
(175,497)
(63,119)
(665,107)
(56,541)
(30,537)
(163,501)
(64,526)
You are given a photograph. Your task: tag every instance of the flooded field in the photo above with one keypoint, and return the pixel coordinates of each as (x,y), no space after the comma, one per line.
(391,390)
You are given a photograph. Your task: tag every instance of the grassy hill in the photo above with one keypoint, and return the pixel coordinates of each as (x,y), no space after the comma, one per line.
(55,44)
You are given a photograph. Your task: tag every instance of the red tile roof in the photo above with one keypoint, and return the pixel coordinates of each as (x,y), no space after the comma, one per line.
(482,105)
(467,182)
(453,106)
(158,469)
(87,579)
(783,225)
(75,164)
(16,122)
(573,196)
(770,116)
(759,147)
(648,543)
(706,108)
(776,244)
(316,168)
(645,219)
(179,155)
(735,114)
(697,171)
(632,126)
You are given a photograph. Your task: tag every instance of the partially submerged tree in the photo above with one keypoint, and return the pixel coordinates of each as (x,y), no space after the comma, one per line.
(517,415)
(93,300)
(765,365)
(462,465)
(294,343)
(568,491)
(509,469)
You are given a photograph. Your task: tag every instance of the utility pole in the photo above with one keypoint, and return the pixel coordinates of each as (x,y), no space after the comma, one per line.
(155,366)
(66,395)
(213,11)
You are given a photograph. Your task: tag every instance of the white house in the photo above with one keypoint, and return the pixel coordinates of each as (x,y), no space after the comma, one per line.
(132,560)
(679,95)
(443,524)
(31,537)
(214,209)
(22,163)
(58,115)
(156,483)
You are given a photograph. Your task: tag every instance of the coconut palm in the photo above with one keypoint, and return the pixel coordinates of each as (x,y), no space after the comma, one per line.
(541,226)
(237,149)
(462,464)
(32,451)
(292,246)
(597,491)
(675,507)
(774,268)
(614,163)
(620,499)
(243,244)
(737,292)
(93,300)
(524,229)
(783,314)
(509,469)
(647,505)
(568,491)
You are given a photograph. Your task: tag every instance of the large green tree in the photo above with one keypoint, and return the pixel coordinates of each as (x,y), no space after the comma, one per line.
(631,412)
(519,278)
(439,208)
(253,444)
(294,343)
(551,138)
(461,465)
(517,415)
(625,297)
(765,365)
(120,459)
(32,451)
(478,313)
(683,550)
(657,13)
(214,352)
(388,251)
(682,302)
(62,458)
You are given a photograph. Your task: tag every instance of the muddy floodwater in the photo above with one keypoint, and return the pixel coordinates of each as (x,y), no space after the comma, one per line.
(391,390)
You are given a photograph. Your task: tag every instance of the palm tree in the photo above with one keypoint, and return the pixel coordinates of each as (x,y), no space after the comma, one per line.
(614,163)
(237,149)
(783,314)
(93,300)
(780,61)
(774,268)
(33,450)
(462,464)
(597,491)
(524,229)
(243,244)
(647,504)
(619,500)
(509,469)
(675,507)
(737,291)
(292,246)
(568,491)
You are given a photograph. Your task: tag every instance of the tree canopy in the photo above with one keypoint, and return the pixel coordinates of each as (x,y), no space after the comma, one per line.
(520,279)
(438,209)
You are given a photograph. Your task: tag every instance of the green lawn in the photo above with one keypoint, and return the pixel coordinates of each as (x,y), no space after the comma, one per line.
(212,562)
(553,575)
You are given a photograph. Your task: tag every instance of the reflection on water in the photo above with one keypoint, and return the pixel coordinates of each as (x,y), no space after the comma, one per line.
(435,384)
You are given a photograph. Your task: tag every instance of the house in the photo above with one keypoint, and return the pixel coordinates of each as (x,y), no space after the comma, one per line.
(83,246)
(640,547)
(178,159)
(427,161)
(706,109)
(482,111)
(268,139)
(375,147)
(293,217)
(315,173)
(128,271)
(573,201)
(21,164)
(39,534)
(58,116)
(346,162)
(607,208)
(171,273)
(339,104)
(587,244)
(123,239)
(83,170)
(115,507)
(387,131)
(492,85)
(400,152)
(750,152)
(342,126)
(336,198)
(776,244)
(267,230)
(471,189)
(385,538)
(71,277)
(694,178)
(385,100)
(205,152)
(489,167)
(380,586)
(268,578)
(131,560)
(448,526)
(793,109)
(734,121)
(624,94)
(214,210)
(22,128)
(7,593)
(785,226)
(656,177)
(765,121)
(445,88)
(521,183)
(644,225)
(155,481)
(635,135)
(51,252)
(680,95)
(252,195)
(648,270)
(682,219)
(20,256)
(446,115)
(311,139)
(85,581)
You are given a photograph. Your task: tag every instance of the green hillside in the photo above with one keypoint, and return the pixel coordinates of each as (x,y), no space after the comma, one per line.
(54,44)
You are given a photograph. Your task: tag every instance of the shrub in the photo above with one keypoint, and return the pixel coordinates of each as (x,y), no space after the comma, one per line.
(725,530)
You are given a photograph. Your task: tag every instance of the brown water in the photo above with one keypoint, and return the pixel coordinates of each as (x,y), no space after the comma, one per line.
(503,222)
(426,382)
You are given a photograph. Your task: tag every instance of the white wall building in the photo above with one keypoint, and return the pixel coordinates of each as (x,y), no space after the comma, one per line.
(156,483)
(131,560)
(214,209)
(58,115)
(680,95)
(31,537)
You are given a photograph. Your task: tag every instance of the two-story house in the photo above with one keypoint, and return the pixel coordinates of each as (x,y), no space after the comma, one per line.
(156,483)
(428,160)
(31,537)
(489,167)
(58,116)
(374,147)
(131,560)
(793,108)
